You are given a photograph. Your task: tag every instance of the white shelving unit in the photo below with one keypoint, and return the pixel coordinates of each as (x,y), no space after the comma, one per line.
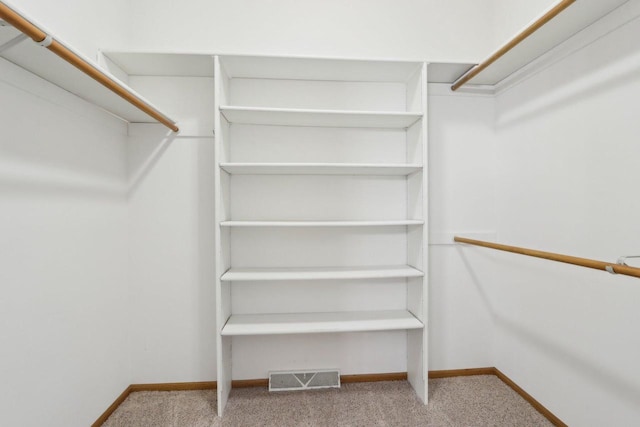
(320,187)
(23,52)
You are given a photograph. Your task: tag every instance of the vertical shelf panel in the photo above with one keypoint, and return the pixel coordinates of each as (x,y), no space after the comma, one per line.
(222,236)
(417,241)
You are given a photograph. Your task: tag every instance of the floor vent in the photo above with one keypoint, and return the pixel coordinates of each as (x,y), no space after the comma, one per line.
(303,380)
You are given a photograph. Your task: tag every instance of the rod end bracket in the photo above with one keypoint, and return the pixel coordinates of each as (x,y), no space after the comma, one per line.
(46,42)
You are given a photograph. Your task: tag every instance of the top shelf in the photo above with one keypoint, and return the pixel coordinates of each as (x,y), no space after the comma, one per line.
(141,63)
(55,68)
(264,67)
(561,21)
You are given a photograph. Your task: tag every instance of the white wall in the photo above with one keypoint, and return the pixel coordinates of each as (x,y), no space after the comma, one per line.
(461,322)
(171,270)
(463,30)
(567,182)
(64,307)
(87,25)
(462,201)
(545,181)
(454,30)
(169,264)
(173,296)
(511,16)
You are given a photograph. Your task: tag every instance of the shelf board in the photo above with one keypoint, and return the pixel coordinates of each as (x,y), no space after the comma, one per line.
(309,323)
(47,65)
(567,23)
(321,273)
(319,169)
(327,118)
(320,223)
(146,63)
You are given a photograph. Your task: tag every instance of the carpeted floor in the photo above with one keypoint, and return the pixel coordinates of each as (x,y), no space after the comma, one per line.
(462,401)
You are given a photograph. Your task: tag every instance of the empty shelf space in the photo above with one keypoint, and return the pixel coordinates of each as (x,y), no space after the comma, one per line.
(308,323)
(328,118)
(319,169)
(357,70)
(321,273)
(320,223)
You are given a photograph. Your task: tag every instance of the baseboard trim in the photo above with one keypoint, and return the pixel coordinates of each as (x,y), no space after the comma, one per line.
(393,376)
(461,372)
(370,378)
(111,409)
(344,379)
(202,385)
(261,382)
(533,402)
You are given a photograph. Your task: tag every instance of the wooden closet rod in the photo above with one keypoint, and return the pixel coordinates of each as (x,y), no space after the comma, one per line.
(583,262)
(22,24)
(552,13)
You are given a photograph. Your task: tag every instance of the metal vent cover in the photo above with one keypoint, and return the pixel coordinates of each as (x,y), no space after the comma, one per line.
(303,380)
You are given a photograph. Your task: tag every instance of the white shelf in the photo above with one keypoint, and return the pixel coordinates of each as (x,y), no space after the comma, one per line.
(327,118)
(574,18)
(141,63)
(309,323)
(320,223)
(321,273)
(47,65)
(319,169)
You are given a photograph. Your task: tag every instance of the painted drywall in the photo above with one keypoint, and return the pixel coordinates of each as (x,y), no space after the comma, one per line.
(567,151)
(168,188)
(172,258)
(463,30)
(64,306)
(171,270)
(454,30)
(461,201)
(511,16)
(86,25)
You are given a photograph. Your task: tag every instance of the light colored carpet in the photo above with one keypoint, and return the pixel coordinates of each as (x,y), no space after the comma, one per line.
(481,400)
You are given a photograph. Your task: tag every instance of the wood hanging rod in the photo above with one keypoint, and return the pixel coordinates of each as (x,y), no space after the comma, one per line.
(583,262)
(39,36)
(535,26)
